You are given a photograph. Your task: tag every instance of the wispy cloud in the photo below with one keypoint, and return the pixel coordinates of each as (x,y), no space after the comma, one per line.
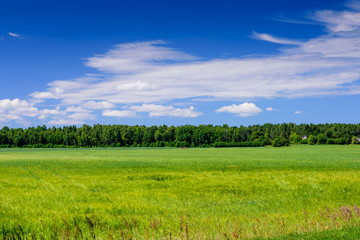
(298,112)
(136,57)
(270,38)
(336,21)
(282,76)
(16,35)
(155,110)
(353,4)
(292,20)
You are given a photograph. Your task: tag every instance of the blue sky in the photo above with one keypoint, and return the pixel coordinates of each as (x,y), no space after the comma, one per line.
(179,62)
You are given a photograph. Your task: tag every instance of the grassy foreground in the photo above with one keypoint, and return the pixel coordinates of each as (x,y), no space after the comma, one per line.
(298,192)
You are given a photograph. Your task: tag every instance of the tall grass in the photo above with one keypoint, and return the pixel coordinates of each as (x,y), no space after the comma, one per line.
(235,193)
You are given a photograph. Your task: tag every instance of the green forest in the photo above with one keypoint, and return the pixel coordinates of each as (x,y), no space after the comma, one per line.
(179,136)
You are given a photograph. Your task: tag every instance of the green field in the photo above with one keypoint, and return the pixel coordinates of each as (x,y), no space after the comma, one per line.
(297,192)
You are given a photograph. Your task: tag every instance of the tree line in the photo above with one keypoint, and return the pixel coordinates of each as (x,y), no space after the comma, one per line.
(179,136)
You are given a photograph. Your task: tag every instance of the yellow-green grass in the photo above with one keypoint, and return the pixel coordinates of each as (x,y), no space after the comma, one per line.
(180,193)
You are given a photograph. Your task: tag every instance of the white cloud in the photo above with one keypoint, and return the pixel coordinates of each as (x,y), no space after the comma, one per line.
(98,105)
(162,111)
(270,38)
(77,109)
(55,111)
(333,47)
(297,112)
(134,57)
(12,117)
(138,85)
(17,109)
(119,114)
(339,21)
(271,109)
(185,112)
(15,103)
(44,113)
(43,95)
(243,110)
(354,4)
(151,108)
(64,122)
(81,116)
(59,88)
(14,34)
(299,72)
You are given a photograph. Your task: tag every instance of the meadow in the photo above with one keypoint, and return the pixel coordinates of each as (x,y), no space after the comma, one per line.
(297,192)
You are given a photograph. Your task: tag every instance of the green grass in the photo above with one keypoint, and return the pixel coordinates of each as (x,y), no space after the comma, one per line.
(301,192)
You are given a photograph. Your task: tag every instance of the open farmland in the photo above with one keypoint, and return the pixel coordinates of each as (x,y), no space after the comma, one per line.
(196,193)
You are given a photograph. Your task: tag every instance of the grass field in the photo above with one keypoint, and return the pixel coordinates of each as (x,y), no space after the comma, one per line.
(298,192)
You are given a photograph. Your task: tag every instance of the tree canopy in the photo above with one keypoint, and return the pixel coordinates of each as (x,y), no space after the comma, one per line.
(179,136)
